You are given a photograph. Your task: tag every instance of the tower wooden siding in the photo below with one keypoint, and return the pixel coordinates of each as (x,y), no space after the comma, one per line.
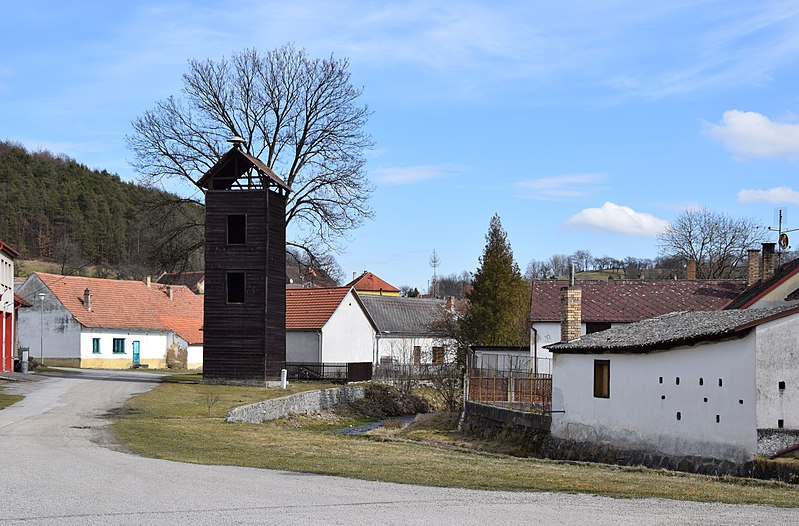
(245,341)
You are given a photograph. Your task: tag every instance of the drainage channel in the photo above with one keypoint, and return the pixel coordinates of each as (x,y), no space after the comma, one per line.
(362,430)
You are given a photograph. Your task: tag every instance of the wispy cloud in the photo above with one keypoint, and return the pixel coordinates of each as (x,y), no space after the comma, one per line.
(561,187)
(779,195)
(416,174)
(748,134)
(618,219)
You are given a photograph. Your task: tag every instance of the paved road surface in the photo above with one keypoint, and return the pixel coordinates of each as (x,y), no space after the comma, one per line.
(58,466)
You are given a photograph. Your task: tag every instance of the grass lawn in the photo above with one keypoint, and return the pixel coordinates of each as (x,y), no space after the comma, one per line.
(183,421)
(7,399)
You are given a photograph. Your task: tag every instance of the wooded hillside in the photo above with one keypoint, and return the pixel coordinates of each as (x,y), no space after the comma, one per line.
(56,209)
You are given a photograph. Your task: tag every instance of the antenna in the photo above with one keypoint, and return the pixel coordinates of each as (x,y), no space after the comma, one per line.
(434,262)
(782,237)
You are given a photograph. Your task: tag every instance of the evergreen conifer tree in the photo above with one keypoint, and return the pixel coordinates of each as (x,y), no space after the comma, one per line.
(499,302)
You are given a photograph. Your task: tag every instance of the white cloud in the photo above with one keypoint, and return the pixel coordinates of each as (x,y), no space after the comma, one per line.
(618,219)
(779,195)
(561,187)
(415,174)
(749,134)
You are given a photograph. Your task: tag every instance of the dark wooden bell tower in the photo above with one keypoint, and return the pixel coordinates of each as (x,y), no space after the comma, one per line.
(245,270)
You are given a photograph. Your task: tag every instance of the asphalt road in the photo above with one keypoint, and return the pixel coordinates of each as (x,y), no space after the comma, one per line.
(59,466)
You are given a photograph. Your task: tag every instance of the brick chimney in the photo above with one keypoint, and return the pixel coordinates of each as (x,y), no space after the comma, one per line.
(753,266)
(768,260)
(87,299)
(690,270)
(571,316)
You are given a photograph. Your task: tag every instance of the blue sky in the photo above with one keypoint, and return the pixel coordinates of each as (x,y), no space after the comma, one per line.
(584,125)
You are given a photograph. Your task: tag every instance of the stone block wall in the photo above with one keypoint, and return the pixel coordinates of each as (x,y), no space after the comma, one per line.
(299,403)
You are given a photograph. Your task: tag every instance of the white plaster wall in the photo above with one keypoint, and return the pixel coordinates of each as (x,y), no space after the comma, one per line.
(637,417)
(778,361)
(194,357)
(548,332)
(348,336)
(400,347)
(302,346)
(60,331)
(152,344)
(6,284)
(776,296)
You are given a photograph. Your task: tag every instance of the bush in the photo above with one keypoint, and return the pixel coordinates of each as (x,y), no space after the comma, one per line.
(383,401)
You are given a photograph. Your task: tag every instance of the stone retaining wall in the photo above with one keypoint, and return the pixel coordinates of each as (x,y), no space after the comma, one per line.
(306,402)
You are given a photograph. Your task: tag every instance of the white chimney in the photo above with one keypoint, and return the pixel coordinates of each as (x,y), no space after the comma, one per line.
(87,299)
(148,281)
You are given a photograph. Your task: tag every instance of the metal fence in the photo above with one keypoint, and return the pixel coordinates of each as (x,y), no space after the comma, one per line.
(515,389)
(330,372)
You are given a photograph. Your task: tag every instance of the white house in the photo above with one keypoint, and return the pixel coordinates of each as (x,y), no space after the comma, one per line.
(609,303)
(327,325)
(409,330)
(102,323)
(719,384)
(7,302)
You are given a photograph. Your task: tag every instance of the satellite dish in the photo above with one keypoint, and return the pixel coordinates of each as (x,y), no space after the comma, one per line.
(783,241)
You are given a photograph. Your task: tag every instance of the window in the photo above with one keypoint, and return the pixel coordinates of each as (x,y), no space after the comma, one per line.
(237,229)
(417,355)
(601,378)
(235,287)
(119,346)
(95,345)
(386,360)
(438,355)
(596,326)
(781,385)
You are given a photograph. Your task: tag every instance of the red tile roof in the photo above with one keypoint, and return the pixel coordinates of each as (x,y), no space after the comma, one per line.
(118,304)
(371,283)
(311,308)
(626,301)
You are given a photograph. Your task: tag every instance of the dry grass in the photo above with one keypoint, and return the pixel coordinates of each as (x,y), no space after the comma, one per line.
(171,422)
(8,399)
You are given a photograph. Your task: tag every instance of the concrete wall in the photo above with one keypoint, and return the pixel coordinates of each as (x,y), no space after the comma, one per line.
(641,412)
(777,359)
(348,336)
(307,402)
(303,346)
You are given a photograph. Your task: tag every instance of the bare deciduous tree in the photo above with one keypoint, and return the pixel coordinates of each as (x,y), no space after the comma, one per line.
(299,115)
(716,241)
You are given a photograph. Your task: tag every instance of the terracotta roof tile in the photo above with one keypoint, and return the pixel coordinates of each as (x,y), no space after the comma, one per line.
(368,282)
(119,304)
(311,308)
(625,301)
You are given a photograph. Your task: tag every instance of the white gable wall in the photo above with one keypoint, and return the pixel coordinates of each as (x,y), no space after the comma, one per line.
(348,336)
(777,359)
(48,326)
(303,346)
(636,416)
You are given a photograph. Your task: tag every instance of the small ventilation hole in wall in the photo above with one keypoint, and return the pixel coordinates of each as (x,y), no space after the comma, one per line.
(780,423)
(679,416)
(719,382)
(782,386)
(718,419)
(660,381)
(677,381)
(741,402)
(705,400)
(662,397)
(701,381)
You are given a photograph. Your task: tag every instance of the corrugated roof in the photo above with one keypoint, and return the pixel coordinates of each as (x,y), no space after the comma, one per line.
(368,282)
(311,308)
(394,315)
(672,330)
(626,301)
(120,304)
(759,289)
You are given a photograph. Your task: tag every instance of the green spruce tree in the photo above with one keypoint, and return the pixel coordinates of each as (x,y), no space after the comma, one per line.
(499,302)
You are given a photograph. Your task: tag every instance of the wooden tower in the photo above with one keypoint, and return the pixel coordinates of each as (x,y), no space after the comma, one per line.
(245,270)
